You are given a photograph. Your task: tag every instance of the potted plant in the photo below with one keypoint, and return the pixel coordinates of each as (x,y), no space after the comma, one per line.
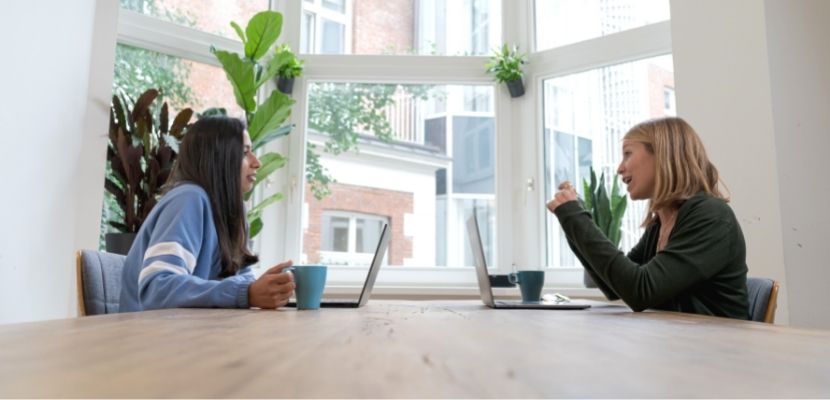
(140,157)
(606,211)
(506,65)
(247,73)
(290,68)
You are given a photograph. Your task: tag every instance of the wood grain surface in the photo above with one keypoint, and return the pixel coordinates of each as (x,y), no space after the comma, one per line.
(411,349)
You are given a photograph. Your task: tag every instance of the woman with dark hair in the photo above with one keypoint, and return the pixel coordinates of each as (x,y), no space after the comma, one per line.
(692,257)
(192,249)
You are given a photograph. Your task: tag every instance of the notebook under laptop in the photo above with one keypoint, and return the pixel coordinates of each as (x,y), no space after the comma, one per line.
(484,280)
(380,253)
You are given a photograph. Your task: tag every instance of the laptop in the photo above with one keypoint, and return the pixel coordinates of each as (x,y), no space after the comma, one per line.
(487,291)
(380,253)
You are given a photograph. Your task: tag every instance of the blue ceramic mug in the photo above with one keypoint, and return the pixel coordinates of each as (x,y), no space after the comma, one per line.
(310,281)
(530,284)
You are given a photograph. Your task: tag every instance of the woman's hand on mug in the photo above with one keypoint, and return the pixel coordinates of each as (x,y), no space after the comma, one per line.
(565,194)
(273,288)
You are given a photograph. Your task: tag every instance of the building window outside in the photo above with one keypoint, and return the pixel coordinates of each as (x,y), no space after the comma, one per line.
(350,238)
(326,27)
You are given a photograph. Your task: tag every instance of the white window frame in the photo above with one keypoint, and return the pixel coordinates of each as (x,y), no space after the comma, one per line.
(519,163)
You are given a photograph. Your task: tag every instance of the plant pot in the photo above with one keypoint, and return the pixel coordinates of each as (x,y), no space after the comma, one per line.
(516,88)
(587,280)
(285,85)
(119,243)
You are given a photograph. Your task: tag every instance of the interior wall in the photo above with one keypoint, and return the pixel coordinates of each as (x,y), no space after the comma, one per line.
(723,89)
(799,64)
(56,76)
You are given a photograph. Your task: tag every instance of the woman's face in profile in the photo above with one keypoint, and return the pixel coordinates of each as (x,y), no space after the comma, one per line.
(637,170)
(250,164)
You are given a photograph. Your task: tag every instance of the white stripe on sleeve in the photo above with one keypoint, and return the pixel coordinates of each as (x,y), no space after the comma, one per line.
(172,249)
(156,267)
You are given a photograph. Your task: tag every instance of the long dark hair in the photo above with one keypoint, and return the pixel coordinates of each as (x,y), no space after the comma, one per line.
(210,155)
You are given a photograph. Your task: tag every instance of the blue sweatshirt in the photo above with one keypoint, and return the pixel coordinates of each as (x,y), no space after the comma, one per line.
(175,262)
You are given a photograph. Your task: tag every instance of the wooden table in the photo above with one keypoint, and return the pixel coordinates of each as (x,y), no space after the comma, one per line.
(411,349)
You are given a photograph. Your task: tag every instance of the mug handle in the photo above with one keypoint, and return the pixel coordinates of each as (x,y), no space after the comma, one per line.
(513,278)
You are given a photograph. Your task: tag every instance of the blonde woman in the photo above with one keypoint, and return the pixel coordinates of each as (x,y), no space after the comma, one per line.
(692,257)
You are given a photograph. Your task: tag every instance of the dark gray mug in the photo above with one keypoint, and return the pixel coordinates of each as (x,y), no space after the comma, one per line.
(530,284)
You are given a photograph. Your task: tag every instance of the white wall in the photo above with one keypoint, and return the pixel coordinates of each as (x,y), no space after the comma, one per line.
(752,77)
(55,75)
(799,64)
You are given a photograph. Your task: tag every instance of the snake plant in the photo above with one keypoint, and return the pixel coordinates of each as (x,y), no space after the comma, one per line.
(607,211)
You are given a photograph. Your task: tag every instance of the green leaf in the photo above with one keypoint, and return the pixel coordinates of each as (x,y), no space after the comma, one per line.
(270,162)
(239,32)
(269,136)
(272,67)
(270,115)
(255,227)
(256,212)
(241,75)
(262,31)
(588,201)
(616,222)
(603,207)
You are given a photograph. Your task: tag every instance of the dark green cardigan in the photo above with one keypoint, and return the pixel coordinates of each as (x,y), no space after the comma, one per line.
(701,270)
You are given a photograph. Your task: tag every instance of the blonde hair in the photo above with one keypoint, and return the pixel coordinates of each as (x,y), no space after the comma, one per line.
(683,169)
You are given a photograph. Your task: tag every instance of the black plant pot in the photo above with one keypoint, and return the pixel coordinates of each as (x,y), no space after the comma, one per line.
(587,280)
(285,85)
(119,243)
(516,88)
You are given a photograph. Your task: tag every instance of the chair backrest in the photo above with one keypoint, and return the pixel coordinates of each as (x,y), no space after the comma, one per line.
(763,299)
(99,282)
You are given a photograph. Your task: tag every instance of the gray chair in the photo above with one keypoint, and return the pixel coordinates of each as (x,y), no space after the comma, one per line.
(763,299)
(99,282)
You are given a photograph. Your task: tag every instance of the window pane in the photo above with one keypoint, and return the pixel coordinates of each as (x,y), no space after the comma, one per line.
(387,155)
(426,27)
(561,22)
(212,16)
(368,234)
(307,29)
(333,38)
(183,83)
(585,118)
(335,233)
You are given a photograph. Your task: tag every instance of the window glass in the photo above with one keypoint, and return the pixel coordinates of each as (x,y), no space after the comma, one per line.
(561,22)
(211,16)
(585,118)
(183,83)
(386,155)
(425,27)
(334,37)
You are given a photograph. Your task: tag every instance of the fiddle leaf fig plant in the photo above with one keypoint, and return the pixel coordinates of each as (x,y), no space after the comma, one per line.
(247,73)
